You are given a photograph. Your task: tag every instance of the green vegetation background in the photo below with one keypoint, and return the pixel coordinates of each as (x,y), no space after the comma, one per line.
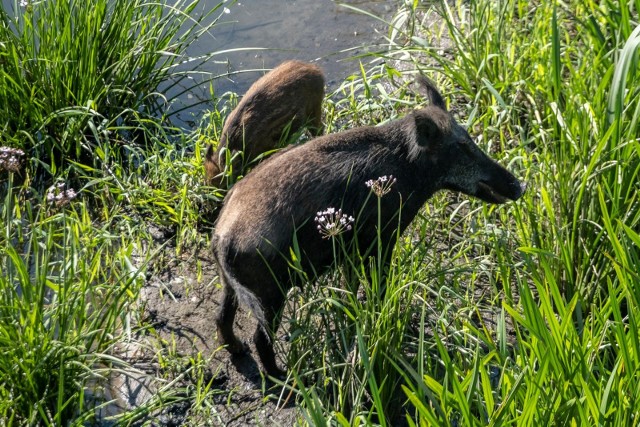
(529,318)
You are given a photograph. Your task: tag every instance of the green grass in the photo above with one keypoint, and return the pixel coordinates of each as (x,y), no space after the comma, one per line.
(531,317)
(82,80)
(80,94)
(69,290)
(554,90)
(521,314)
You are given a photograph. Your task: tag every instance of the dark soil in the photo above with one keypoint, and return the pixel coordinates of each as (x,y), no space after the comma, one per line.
(180,302)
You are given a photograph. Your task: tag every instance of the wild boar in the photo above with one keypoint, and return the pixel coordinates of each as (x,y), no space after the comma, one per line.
(425,151)
(287,98)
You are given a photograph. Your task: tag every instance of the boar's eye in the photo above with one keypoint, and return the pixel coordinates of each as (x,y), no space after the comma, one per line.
(466,146)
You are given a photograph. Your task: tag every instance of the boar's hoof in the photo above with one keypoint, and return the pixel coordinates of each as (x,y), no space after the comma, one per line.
(234,345)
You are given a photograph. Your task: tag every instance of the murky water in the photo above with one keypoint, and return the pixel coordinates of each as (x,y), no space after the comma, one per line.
(322,31)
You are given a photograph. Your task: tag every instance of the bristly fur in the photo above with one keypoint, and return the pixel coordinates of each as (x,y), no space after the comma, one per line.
(280,103)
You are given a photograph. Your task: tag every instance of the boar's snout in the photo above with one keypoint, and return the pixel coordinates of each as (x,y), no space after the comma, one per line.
(493,191)
(496,184)
(470,170)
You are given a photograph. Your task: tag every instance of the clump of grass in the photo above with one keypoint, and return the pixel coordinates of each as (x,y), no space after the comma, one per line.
(80,94)
(345,326)
(81,79)
(366,98)
(554,88)
(530,317)
(67,293)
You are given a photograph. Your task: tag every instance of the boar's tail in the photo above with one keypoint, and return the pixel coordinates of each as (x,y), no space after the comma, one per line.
(211,167)
(244,295)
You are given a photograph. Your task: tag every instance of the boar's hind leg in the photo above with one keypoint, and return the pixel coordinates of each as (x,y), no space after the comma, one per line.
(263,337)
(224,321)
(315,122)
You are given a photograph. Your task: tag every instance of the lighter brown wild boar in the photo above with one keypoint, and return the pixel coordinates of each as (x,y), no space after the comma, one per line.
(287,98)
(425,151)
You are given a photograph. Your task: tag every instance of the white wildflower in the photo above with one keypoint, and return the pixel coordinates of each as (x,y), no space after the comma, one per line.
(382,185)
(332,222)
(59,196)
(10,159)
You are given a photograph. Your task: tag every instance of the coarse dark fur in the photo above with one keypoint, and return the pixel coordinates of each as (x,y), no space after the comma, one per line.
(425,151)
(285,99)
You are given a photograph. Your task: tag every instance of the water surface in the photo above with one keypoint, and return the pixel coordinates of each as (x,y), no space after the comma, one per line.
(321,31)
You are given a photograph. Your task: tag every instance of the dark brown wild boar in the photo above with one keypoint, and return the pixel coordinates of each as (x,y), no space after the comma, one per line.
(425,151)
(286,98)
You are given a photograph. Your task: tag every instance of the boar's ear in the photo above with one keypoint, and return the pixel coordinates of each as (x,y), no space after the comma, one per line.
(430,90)
(428,131)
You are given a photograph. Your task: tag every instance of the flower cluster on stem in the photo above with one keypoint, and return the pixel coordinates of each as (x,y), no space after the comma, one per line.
(10,159)
(332,222)
(382,185)
(58,196)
